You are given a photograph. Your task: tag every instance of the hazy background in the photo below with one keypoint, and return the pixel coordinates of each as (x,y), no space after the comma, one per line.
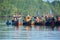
(32,7)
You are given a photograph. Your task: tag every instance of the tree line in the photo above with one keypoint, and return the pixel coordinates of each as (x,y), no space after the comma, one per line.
(24,7)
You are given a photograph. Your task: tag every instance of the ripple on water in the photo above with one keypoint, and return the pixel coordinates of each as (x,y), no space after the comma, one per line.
(9,33)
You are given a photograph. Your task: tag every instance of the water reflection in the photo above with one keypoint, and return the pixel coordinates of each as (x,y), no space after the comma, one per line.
(37,27)
(29,33)
(44,28)
(16,27)
(58,28)
(51,28)
(27,28)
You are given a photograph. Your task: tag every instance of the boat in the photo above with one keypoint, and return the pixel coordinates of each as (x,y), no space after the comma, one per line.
(57,23)
(27,20)
(38,21)
(8,22)
(49,21)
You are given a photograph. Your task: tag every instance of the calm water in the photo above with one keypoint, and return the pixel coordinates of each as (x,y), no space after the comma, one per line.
(29,33)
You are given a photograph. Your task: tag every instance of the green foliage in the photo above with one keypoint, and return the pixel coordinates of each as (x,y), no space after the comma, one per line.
(9,7)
